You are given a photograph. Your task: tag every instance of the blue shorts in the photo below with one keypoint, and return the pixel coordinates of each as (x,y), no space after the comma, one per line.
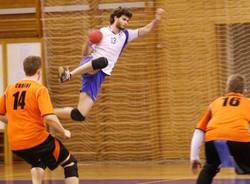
(91,83)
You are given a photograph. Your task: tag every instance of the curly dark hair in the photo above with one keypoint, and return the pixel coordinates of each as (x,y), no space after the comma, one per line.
(118,12)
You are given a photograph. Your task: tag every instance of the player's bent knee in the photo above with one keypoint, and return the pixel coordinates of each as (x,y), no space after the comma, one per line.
(76,115)
(71,171)
(99,63)
(70,167)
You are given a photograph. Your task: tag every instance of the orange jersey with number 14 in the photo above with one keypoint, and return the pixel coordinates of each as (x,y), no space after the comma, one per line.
(26,102)
(227,118)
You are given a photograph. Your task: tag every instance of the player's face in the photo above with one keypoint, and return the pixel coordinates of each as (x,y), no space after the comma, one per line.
(122,22)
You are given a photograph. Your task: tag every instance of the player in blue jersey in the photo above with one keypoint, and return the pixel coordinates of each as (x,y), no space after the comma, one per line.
(100,59)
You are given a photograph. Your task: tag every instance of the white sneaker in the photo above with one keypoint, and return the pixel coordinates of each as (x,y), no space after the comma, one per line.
(63,74)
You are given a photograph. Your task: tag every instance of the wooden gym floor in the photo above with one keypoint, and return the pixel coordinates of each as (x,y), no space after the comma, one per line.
(118,173)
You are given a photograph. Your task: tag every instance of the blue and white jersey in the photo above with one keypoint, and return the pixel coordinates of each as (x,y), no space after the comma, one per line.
(112,45)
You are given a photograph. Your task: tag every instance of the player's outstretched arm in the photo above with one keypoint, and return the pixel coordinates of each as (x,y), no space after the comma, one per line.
(149,27)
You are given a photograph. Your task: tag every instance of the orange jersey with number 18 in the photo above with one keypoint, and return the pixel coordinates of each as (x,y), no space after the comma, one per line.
(26,102)
(227,118)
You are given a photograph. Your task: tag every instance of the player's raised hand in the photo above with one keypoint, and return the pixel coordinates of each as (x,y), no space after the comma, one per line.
(159,13)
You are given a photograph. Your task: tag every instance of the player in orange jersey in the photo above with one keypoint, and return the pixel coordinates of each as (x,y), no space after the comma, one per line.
(226,120)
(28,108)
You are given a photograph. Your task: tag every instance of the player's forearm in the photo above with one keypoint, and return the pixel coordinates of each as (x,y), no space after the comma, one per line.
(148,28)
(197,140)
(54,124)
(87,50)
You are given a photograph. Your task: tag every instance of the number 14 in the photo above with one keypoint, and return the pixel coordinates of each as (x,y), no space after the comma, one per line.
(19,99)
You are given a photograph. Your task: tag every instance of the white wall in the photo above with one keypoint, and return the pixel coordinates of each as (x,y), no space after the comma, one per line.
(16,53)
